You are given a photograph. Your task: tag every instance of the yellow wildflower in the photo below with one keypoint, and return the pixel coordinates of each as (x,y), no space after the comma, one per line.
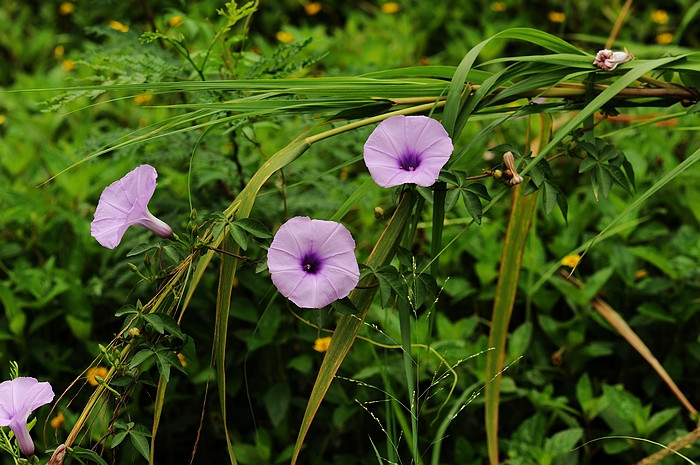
(175,21)
(96,371)
(641,274)
(58,51)
(68,65)
(2,119)
(556,16)
(499,6)
(321,344)
(143,98)
(312,8)
(664,38)
(659,16)
(183,362)
(390,8)
(57,421)
(285,37)
(117,26)
(66,8)
(571,260)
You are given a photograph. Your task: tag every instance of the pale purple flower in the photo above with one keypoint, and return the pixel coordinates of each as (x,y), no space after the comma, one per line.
(18,398)
(407,150)
(312,262)
(124,203)
(608,60)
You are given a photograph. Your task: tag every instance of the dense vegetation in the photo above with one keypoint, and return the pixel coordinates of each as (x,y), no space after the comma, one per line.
(254,114)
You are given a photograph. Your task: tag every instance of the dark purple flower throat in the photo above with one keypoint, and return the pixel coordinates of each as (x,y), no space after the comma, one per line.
(409,161)
(311,262)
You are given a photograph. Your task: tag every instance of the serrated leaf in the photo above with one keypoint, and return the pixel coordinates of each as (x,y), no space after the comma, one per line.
(254,227)
(473,204)
(238,234)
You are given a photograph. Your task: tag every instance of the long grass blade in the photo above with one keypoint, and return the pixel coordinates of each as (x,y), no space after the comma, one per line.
(349,325)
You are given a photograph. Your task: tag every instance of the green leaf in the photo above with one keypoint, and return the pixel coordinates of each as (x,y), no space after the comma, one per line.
(140,357)
(618,176)
(549,196)
(391,282)
(238,234)
(163,365)
(473,204)
(451,199)
(563,442)
(140,443)
(478,189)
(118,438)
(277,400)
(587,164)
(155,320)
(141,248)
(254,227)
(604,180)
(345,306)
(79,452)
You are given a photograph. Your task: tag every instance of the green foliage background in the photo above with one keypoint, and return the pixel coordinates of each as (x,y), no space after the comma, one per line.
(577,379)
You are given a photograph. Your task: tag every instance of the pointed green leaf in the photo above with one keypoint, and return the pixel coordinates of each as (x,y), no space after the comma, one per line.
(473,204)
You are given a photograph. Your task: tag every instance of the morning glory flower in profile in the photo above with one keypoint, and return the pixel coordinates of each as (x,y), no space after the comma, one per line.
(312,262)
(608,60)
(124,203)
(18,398)
(407,150)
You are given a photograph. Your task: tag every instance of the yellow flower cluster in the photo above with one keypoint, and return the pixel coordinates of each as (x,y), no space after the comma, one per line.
(321,344)
(117,26)
(93,372)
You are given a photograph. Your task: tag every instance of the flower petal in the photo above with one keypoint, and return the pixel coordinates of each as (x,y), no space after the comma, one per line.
(399,137)
(125,203)
(331,243)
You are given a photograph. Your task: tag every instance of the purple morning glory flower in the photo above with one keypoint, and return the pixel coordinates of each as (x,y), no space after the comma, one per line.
(407,149)
(18,398)
(312,262)
(124,203)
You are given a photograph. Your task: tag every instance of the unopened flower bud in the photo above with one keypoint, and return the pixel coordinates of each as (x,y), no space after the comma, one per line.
(510,172)
(608,60)
(497,174)
(379,213)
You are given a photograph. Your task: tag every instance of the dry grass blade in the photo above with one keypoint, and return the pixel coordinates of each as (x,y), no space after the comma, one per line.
(676,445)
(621,326)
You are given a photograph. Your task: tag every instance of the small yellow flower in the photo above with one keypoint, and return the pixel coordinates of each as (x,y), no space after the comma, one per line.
(68,65)
(96,371)
(556,16)
(321,344)
(58,51)
(143,98)
(66,8)
(285,37)
(57,421)
(571,260)
(641,274)
(664,38)
(499,6)
(2,119)
(117,26)
(312,8)
(390,8)
(175,21)
(183,362)
(659,16)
